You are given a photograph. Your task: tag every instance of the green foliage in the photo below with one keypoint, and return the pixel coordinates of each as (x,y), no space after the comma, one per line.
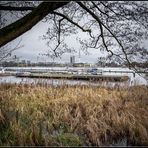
(68,139)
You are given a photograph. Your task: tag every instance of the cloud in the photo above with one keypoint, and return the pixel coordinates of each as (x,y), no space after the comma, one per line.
(34,45)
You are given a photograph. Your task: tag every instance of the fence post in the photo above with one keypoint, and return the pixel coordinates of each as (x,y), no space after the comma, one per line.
(134,74)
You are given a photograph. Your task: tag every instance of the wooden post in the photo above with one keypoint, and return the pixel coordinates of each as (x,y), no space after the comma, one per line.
(134,74)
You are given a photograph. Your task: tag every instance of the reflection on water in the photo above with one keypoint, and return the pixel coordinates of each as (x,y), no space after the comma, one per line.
(120,142)
(132,81)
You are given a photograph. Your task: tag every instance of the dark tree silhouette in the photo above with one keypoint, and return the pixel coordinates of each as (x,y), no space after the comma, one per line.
(117,27)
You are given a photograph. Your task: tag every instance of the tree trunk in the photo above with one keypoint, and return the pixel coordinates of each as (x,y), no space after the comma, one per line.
(21,26)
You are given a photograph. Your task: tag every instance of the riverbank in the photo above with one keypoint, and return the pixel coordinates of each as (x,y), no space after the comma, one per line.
(6,74)
(72,115)
(111,78)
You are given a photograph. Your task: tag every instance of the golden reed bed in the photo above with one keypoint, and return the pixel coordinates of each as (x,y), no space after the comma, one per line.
(72,115)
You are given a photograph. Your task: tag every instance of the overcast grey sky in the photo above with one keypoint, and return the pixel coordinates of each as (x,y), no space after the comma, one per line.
(34,45)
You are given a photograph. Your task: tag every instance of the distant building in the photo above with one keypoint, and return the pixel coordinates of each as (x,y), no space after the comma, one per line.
(28,62)
(72,60)
(23,62)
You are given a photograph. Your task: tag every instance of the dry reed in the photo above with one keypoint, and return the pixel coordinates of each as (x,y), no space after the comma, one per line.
(72,115)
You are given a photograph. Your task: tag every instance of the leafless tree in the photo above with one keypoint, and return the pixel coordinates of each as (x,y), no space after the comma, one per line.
(6,52)
(117,27)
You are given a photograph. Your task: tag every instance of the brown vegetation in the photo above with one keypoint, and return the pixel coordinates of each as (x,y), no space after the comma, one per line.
(72,115)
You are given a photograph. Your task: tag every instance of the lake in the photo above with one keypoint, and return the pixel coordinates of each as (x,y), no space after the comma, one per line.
(134,80)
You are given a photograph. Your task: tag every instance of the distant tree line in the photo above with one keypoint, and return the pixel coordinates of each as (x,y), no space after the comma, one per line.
(25,64)
(141,65)
(53,64)
(104,62)
(42,64)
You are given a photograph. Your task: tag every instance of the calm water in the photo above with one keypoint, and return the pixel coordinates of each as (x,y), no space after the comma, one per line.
(137,80)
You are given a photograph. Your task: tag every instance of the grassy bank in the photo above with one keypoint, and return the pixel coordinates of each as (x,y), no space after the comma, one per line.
(72,115)
(87,77)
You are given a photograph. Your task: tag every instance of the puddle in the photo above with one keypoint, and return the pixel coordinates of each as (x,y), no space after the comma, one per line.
(120,142)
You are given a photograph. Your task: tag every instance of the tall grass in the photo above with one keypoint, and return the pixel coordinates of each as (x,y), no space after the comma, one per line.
(72,115)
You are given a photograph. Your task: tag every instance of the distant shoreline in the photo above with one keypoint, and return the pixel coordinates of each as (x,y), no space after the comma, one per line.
(76,77)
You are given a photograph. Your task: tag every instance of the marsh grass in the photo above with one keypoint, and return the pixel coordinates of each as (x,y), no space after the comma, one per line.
(72,115)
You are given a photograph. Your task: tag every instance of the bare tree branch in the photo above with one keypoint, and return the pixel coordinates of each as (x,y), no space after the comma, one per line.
(3,56)
(10,8)
(117,14)
(100,22)
(100,9)
(74,23)
(103,40)
(59,31)
(19,27)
